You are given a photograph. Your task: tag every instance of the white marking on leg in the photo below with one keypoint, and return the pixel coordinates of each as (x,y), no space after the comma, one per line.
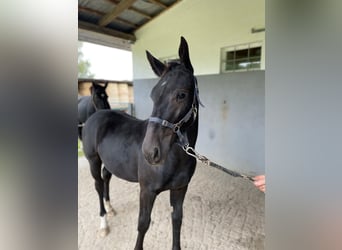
(103,222)
(108,206)
(104,230)
(109,209)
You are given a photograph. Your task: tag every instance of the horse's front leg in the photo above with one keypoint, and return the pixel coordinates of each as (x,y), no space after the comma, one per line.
(176,200)
(147,199)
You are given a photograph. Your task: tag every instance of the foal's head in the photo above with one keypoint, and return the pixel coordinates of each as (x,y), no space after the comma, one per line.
(99,96)
(174,98)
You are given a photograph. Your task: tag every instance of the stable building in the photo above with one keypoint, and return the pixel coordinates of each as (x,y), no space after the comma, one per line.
(227,50)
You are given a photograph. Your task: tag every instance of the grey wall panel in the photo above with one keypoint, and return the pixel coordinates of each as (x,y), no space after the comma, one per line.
(232,124)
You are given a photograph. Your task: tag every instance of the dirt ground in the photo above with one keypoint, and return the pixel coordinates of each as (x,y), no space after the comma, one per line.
(220,212)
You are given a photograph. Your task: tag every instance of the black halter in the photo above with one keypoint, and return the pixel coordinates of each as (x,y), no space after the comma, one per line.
(183,139)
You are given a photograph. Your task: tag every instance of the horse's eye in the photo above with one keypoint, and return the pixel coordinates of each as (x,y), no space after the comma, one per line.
(181,96)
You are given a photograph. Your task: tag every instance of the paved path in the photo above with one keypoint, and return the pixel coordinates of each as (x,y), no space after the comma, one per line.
(220,212)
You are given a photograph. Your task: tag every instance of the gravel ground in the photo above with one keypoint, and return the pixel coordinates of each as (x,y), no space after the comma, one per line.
(220,212)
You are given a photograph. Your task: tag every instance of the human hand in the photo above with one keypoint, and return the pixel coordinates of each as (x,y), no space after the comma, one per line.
(260,182)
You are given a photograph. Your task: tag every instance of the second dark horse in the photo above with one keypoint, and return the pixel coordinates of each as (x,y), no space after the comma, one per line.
(87,105)
(149,151)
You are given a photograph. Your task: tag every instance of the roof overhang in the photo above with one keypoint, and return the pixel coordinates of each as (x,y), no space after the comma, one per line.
(114,22)
(110,40)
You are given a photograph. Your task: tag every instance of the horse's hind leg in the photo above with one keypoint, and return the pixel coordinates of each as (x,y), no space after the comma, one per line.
(106,175)
(176,200)
(80,126)
(95,169)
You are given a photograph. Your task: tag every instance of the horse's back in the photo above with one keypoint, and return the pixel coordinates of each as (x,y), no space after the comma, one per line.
(116,138)
(83,100)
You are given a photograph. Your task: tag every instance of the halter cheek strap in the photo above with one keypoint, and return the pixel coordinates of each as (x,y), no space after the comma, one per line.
(183,139)
(92,100)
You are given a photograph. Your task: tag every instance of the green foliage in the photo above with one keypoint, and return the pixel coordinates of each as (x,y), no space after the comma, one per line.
(83,65)
(80,149)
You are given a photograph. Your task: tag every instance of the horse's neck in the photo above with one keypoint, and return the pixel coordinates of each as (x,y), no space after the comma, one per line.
(193,132)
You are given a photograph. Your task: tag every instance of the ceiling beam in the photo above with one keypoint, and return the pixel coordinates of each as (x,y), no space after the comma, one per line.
(120,20)
(106,31)
(86,9)
(141,13)
(158,3)
(100,13)
(161,12)
(133,9)
(118,9)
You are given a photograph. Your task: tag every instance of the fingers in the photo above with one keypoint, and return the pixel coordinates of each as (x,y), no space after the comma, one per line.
(259,177)
(260,182)
(262,188)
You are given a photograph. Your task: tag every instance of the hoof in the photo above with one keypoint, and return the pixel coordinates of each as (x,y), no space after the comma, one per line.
(103,232)
(111,213)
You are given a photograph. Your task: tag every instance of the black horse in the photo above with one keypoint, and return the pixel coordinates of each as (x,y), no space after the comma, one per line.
(151,152)
(87,105)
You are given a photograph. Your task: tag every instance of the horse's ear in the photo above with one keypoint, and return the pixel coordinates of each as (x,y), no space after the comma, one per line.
(183,52)
(157,66)
(106,84)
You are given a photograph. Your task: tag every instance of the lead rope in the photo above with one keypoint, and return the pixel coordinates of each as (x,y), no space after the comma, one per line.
(192,152)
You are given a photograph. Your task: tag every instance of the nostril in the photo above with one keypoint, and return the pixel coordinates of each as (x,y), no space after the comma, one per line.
(155,153)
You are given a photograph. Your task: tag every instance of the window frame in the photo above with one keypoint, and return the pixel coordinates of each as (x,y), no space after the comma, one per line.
(239,47)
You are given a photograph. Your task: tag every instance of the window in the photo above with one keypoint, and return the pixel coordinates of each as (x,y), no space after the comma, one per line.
(241,57)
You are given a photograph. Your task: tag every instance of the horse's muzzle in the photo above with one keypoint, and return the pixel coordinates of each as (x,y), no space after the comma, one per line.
(152,155)
(156,144)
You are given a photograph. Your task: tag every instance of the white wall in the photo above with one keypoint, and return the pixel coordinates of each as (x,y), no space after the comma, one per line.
(207,25)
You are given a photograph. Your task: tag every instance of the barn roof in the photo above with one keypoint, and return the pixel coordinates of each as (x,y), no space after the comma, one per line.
(117,19)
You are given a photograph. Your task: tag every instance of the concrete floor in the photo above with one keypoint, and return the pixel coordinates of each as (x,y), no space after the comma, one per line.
(220,212)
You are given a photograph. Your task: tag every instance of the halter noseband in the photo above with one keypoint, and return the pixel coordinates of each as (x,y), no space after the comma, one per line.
(183,139)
